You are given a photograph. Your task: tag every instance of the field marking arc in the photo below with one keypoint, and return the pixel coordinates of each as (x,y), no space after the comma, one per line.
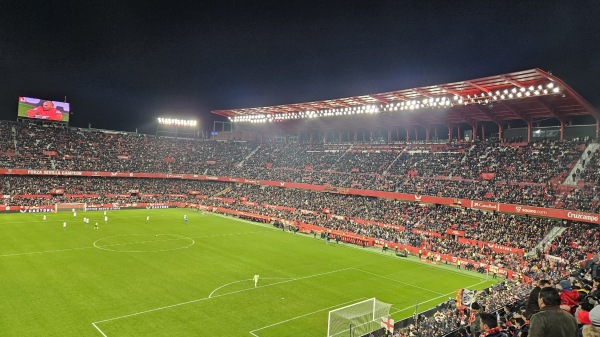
(234,282)
(95,324)
(177,237)
(89,247)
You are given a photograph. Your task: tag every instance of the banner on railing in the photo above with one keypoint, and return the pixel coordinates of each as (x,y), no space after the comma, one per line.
(484,205)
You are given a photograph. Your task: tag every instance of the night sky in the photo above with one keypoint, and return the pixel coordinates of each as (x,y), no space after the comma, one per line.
(122,64)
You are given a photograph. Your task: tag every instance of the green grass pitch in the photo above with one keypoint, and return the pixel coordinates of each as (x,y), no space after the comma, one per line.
(167,278)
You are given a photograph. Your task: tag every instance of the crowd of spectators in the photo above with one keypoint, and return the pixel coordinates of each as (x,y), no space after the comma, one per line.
(520,173)
(336,211)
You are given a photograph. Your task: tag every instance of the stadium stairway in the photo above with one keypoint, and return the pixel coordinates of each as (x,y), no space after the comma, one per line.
(343,154)
(240,164)
(223,191)
(591,149)
(14,134)
(554,232)
(393,161)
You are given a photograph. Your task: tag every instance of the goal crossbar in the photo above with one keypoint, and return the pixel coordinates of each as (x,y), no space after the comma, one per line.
(357,319)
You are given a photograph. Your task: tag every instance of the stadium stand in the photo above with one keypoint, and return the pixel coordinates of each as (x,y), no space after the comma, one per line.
(43,164)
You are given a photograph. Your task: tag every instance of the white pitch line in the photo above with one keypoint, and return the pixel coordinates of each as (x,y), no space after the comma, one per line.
(122,244)
(69,218)
(228,234)
(435,298)
(268,278)
(206,298)
(360,248)
(97,328)
(391,279)
(45,251)
(310,313)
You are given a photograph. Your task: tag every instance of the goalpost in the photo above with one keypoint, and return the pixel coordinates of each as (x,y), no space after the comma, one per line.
(357,319)
(70,206)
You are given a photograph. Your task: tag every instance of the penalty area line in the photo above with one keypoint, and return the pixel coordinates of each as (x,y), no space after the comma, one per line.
(310,313)
(435,298)
(99,330)
(95,324)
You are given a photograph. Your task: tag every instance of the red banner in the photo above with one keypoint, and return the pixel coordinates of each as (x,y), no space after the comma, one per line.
(424,232)
(493,246)
(455,232)
(506,208)
(380,224)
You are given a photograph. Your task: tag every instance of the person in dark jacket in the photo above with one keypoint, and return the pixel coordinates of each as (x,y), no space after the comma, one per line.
(475,319)
(532,302)
(551,320)
(489,326)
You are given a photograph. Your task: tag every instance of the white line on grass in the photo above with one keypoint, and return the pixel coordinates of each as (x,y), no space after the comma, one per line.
(121,244)
(391,279)
(352,246)
(45,251)
(141,217)
(435,298)
(228,234)
(269,278)
(310,313)
(97,328)
(95,324)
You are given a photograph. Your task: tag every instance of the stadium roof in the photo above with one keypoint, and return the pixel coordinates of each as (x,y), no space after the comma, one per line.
(529,95)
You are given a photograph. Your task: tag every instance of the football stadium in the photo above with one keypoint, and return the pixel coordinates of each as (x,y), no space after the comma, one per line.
(417,212)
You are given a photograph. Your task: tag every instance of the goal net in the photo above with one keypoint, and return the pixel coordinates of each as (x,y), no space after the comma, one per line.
(72,207)
(357,319)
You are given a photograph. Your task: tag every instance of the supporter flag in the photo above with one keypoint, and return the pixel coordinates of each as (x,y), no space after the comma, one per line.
(468,297)
(388,324)
(488,175)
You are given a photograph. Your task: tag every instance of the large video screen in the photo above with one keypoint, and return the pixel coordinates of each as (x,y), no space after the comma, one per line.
(36,108)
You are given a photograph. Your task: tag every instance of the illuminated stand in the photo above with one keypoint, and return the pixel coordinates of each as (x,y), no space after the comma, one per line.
(178,128)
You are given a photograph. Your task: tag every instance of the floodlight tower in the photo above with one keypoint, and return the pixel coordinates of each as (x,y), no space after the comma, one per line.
(177,128)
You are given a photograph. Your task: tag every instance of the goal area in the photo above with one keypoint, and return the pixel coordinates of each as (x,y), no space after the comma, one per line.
(71,207)
(357,319)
